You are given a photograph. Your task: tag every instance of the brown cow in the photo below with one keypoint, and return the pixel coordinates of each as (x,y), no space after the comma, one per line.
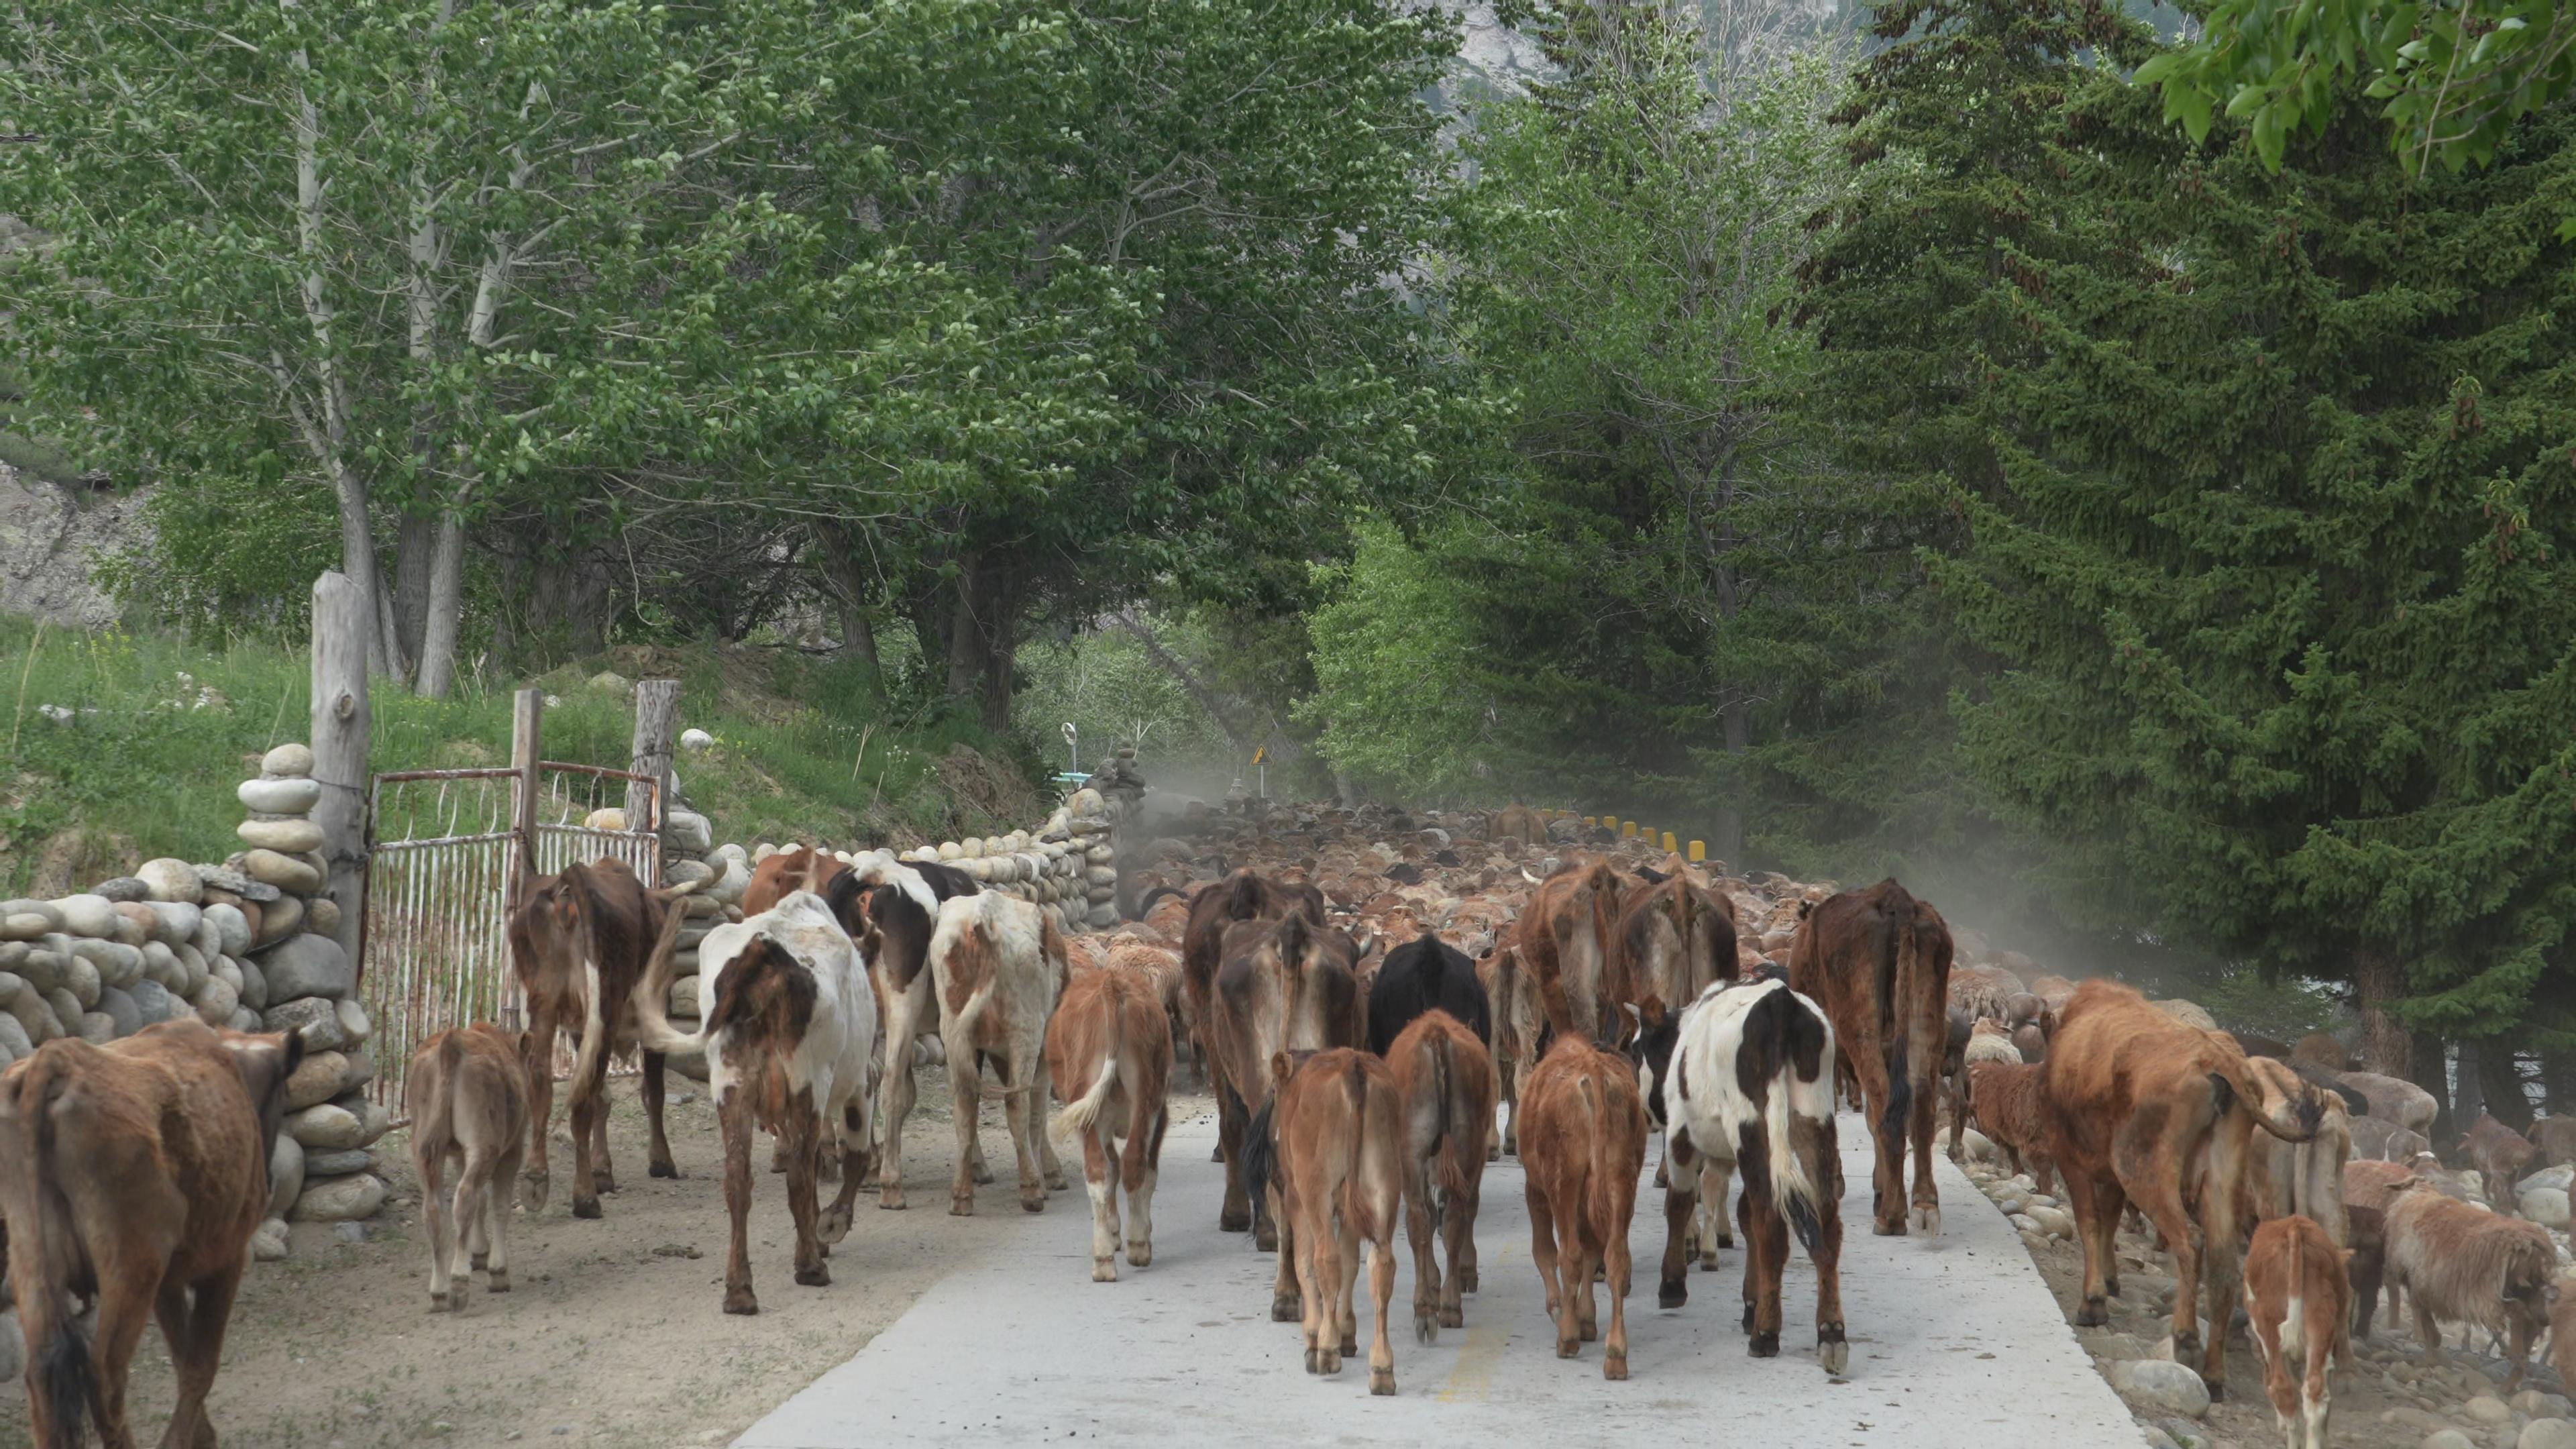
(1517,822)
(581,943)
(1674,940)
(2004,1099)
(1334,1160)
(1878,961)
(797,868)
(2468,1265)
(2319,1052)
(131,1177)
(1109,1052)
(2555,1139)
(1286,985)
(2395,1099)
(1564,937)
(2142,1107)
(467,1097)
(2368,1188)
(1445,1080)
(1243,896)
(2296,1298)
(1583,1151)
(2501,1156)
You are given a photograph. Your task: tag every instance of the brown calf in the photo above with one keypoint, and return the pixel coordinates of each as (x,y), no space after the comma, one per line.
(1330,1141)
(2501,1156)
(804,868)
(1109,1052)
(2467,1265)
(1583,1149)
(1878,961)
(131,1177)
(1445,1079)
(2004,1099)
(468,1102)
(2296,1301)
(2142,1107)
(581,942)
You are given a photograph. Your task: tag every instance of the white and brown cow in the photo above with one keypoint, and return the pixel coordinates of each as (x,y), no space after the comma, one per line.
(998,965)
(789,1033)
(1745,1078)
(891,909)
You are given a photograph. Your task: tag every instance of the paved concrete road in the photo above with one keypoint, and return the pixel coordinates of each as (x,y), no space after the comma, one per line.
(1955,1341)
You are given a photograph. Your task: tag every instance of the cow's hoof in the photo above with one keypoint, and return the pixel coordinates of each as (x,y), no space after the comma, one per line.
(740,1300)
(1725,1243)
(532,1190)
(1055,1182)
(1286,1308)
(1426,1331)
(1140,1255)
(1831,1351)
(1217,1154)
(480,1261)
(1567,1348)
(1350,1345)
(602,1182)
(500,1281)
(1231,1221)
(1926,1219)
(2111,1285)
(1672,1293)
(1591,1332)
(1314,1360)
(961,1205)
(1614,1366)
(1452,1317)
(1765,1345)
(983,1174)
(1033,1202)
(1104,1270)
(1382,1382)
(1266,1238)
(438,1303)
(2186,1347)
(818,1276)
(664,1169)
(891,1200)
(1330,1362)
(829,1170)
(1467,1279)
(1748,1315)
(835,1224)
(2093,1314)
(585,1207)
(2217,1390)
(1493,1154)
(1886,1229)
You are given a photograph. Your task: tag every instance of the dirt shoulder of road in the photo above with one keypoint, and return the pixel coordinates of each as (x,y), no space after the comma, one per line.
(2390,1399)
(613,1331)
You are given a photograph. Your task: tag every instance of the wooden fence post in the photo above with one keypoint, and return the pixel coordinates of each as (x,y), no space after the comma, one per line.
(657,715)
(343,626)
(527,715)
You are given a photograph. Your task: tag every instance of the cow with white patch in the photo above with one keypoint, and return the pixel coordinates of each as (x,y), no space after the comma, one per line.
(789,1033)
(998,965)
(891,909)
(1743,1079)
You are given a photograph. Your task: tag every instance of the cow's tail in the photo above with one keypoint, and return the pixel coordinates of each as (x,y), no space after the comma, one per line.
(1082,1111)
(653,1029)
(1778,1168)
(1260,1152)
(64,1374)
(1899,969)
(1355,1203)
(1447,1150)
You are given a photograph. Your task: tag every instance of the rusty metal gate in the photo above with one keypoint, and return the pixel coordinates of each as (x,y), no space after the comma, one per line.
(445,850)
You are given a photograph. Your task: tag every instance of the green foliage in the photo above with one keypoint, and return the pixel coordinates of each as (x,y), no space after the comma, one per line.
(1398,704)
(2457,77)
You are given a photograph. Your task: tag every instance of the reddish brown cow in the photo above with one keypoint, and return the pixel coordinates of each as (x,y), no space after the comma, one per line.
(2501,1156)
(1878,961)
(802,869)
(2296,1299)
(1334,1161)
(2142,1107)
(581,943)
(467,1096)
(2003,1097)
(1109,1052)
(2464,1264)
(1584,1149)
(131,1177)
(1445,1079)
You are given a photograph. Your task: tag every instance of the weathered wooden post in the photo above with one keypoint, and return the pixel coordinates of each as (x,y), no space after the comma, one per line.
(657,716)
(343,624)
(527,715)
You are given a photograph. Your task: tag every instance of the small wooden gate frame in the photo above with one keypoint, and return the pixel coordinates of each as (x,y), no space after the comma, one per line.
(434,947)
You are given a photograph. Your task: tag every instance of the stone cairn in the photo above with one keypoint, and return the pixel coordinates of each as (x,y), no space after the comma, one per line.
(247,944)
(1067,866)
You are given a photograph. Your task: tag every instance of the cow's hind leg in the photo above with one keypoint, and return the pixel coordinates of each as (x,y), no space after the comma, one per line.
(466,1221)
(659,1152)
(1144,1164)
(603,1171)
(1021,1104)
(1681,1210)
(1924,1216)
(496,1213)
(2097,1220)
(1420,1211)
(1382,1290)
(1543,1254)
(965,1087)
(851,1136)
(127,1299)
(1833,1351)
(1040,1099)
(1346,1292)
(536,1061)
(196,1342)
(1463,1208)
(588,1169)
(430,1165)
(1614,1349)
(895,1096)
(1766,1252)
(1284,1301)
(733,1116)
(801,1132)
(1716,1182)
(1100,1178)
(1234,1214)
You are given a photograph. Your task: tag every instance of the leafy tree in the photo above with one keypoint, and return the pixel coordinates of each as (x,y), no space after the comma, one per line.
(2272,545)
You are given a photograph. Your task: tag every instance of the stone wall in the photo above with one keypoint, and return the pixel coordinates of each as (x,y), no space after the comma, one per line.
(245,944)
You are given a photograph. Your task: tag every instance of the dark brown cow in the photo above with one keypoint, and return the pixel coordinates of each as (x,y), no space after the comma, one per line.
(467,1095)
(132,1177)
(581,944)
(1243,896)
(2142,1107)
(1878,961)
(2501,1156)
(1584,1149)
(1286,985)
(1445,1079)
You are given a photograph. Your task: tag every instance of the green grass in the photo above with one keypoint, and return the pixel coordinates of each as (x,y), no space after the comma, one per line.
(805,750)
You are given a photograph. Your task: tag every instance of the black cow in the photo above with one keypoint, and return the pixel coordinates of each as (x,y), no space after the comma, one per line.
(1426,974)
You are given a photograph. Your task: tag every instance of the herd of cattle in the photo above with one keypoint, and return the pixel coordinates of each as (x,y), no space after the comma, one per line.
(1358,1010)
